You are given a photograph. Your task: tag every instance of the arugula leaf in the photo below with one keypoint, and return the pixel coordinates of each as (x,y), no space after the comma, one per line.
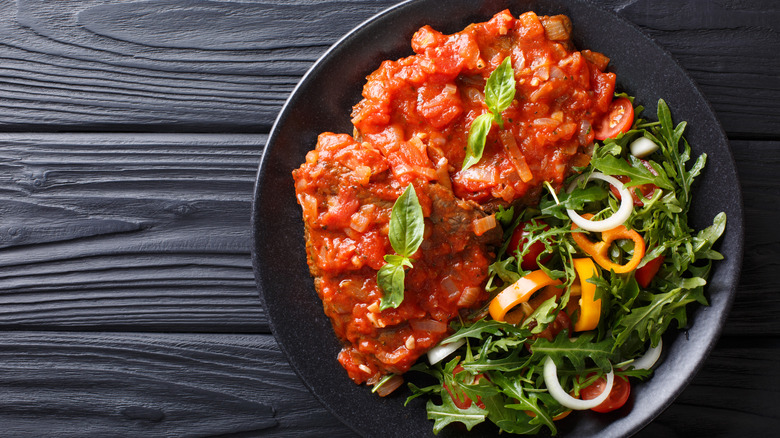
(611,165)
(513,362)
(543,315)
(577,199)
(575,351)
(504,216)
(508,419)
(407,225)
(478,330)
(505,269)
(651,320)
(524,402)
(447,413)
(500,90)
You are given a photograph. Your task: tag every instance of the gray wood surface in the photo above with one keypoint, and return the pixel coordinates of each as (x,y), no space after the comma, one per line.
(131,134)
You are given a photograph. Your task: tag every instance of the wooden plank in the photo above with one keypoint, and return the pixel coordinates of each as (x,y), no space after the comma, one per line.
(161,65)
(757,301)
(729,49)
(154,385)
(128,231)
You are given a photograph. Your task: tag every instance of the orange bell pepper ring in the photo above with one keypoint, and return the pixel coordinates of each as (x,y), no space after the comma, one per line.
(590,308)
(600,250)
(518,292)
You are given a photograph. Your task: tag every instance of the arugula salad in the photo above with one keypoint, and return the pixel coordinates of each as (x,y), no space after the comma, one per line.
(584,286)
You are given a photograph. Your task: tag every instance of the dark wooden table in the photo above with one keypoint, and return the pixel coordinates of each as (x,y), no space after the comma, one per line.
(131,136)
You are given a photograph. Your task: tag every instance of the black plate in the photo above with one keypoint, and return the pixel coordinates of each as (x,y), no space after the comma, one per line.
(323,101)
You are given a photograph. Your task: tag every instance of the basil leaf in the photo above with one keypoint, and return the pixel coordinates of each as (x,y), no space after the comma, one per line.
(500,90)
(499,94)
(406,234)
(406,223)
(477,138)
(390,279)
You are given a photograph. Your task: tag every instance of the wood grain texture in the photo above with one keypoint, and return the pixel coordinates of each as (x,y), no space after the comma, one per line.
(733,395)
(205,66)
(149,66)
(127,300)
(739,78)
(118,231)
(757,301)
(153,385)
(162,385)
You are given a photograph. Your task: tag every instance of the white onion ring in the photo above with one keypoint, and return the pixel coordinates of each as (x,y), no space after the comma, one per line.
(626,206)
(555,389)
(439,352)
(649,359)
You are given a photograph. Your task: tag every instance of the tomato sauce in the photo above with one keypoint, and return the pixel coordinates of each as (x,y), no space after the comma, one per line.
(411,127)
(436,94)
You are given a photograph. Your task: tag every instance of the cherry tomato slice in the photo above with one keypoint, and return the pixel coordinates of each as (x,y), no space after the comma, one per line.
(519,239)
(645,274)
(646,190)
(621,389)
(619,119)
(561,322)
(462,401)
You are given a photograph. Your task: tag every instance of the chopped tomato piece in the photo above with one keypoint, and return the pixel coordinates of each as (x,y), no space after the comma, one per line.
(519,239)
(621,389)
(560,323)
(462,401)
(645,274)
(644,190)
(619,119)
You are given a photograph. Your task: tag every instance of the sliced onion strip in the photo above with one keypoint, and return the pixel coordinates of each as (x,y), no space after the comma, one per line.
(626,206)
(649,359)
(428,325)
(484,224)
(439,352)
(558,393)
(388,386)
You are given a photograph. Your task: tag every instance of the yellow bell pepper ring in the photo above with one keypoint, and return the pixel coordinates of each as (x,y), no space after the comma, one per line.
(590,308)
(519,292)
(600,250)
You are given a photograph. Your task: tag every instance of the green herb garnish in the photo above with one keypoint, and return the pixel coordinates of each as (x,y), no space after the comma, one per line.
(499,94)
(406,235)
